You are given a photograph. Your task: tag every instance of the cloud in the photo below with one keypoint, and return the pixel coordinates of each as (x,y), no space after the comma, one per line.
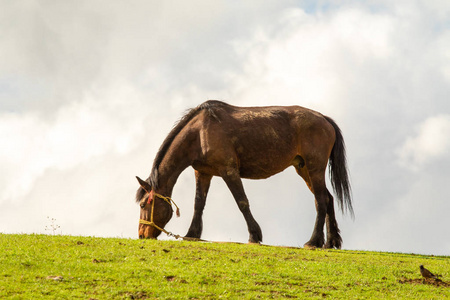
(77,133)
(430,143)
(312,59)
(89,91)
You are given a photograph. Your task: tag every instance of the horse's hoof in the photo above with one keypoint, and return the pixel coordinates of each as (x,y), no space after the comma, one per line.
(252,243)
(332,246)
(309,247)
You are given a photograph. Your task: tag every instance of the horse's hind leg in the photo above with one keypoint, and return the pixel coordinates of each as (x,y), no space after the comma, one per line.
(324,202)
(234,183)
(315,180)
(334,239)
(321,200)
(203,182)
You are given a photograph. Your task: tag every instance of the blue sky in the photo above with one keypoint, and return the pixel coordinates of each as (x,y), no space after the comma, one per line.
(89,90)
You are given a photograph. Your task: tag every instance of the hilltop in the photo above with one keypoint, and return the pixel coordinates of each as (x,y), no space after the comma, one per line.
(42,266)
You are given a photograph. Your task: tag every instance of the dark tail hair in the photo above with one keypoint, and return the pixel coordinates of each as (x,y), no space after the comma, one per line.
(338,171)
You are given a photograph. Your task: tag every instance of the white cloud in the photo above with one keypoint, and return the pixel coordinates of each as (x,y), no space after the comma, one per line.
(75,134)
(89,91)
(312,59)
(430,143)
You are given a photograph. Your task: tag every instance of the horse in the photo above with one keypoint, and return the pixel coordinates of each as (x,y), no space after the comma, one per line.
(219,139)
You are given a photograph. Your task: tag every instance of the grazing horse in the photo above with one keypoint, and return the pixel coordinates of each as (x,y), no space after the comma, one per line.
(218,139)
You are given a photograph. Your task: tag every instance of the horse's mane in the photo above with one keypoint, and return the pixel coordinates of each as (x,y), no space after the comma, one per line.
(210,107)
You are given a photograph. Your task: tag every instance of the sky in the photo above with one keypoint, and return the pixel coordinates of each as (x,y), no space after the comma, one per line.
(90,89)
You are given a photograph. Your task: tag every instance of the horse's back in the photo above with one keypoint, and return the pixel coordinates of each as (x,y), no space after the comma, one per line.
(262,141)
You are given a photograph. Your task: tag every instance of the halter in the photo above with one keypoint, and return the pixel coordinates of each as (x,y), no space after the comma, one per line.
(169,200)
(150,199)
(151,196)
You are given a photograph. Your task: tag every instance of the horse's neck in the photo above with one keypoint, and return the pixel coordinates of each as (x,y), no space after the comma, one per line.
(173,164)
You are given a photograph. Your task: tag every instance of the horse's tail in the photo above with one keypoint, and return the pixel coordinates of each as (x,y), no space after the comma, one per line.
(338,171)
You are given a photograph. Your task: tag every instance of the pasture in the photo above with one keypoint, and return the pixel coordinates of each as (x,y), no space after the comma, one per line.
(69,267)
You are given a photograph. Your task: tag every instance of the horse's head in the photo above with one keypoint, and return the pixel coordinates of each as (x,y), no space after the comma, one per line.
(153,209)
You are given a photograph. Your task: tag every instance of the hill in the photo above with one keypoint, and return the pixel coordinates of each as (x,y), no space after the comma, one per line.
(68,267)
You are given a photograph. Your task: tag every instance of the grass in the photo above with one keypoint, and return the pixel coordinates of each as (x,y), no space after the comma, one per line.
(67,267)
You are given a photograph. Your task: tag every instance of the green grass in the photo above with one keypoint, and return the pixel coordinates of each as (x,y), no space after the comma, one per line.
(67,267)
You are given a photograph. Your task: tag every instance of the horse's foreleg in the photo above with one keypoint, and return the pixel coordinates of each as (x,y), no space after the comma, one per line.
(203,182)
(234,183)
(334,239)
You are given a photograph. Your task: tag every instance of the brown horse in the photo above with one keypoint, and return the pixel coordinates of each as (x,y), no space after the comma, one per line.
(218,139)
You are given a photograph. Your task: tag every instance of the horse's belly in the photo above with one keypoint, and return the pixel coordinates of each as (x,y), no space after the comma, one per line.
(261,170)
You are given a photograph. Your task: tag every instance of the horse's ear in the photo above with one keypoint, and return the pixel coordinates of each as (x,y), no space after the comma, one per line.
(144,184)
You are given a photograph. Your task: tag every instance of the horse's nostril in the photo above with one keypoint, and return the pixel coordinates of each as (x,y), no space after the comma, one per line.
(141,236)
